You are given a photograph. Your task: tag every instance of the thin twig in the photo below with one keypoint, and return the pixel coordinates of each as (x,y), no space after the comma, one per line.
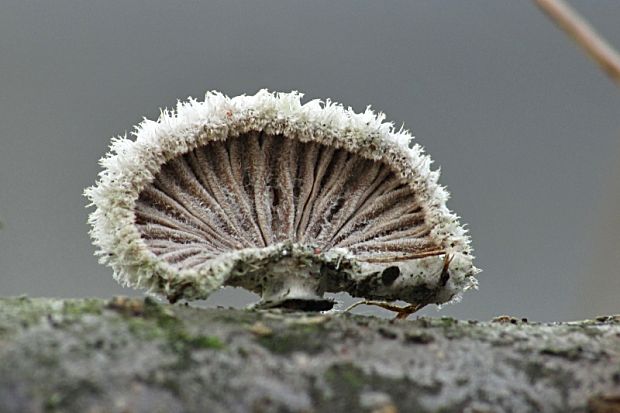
(584,35)
(401,312)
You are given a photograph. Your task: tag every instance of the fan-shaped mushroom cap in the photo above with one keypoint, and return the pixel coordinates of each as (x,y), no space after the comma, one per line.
(285,199)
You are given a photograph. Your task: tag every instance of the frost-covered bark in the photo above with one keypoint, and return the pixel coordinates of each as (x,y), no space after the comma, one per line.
(141,356)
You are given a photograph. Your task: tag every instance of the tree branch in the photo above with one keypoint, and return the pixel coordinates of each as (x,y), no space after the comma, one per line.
(584,35)
(135,355)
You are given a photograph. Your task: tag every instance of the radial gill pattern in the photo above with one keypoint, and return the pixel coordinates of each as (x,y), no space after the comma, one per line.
(257,190)
(287,199)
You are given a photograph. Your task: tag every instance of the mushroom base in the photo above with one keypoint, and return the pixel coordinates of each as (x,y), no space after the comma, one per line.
(290,281)
(296,276)
(295,291)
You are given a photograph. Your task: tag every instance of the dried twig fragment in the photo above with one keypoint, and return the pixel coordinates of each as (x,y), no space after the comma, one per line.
(584,35)
(284,199)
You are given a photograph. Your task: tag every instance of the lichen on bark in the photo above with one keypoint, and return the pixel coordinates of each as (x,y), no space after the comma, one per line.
(139,355)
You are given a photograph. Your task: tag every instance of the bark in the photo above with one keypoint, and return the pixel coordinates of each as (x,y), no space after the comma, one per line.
(134,355)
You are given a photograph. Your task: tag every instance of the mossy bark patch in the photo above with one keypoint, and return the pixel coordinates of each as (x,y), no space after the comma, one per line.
(139,355)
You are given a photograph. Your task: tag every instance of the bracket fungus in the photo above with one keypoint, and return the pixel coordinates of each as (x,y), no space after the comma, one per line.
(285,199)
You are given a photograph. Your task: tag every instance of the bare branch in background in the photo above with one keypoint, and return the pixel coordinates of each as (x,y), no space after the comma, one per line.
(579,29)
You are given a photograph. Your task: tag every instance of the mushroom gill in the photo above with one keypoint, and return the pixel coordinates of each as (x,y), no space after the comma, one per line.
(257,190)
(287,200)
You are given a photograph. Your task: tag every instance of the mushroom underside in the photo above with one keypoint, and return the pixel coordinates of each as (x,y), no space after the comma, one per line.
(258,191)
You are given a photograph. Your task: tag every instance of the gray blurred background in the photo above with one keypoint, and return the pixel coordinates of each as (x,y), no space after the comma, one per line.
(525,129)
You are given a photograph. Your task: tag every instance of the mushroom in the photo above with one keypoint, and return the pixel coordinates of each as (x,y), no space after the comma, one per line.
(288,200)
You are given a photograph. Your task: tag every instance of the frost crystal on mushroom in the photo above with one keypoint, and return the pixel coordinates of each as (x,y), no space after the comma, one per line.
(285,199)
